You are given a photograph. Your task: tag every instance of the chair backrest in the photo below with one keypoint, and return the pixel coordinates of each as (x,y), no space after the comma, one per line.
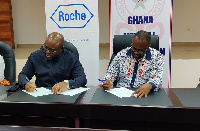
(198,86)
(122,41)
(69,46)
(10,64)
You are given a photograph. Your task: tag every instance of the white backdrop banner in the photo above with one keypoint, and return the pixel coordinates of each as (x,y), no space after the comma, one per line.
(78,21)
(153,16)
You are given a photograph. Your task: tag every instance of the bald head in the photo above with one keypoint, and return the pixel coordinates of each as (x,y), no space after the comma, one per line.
(54,45)
(55,39)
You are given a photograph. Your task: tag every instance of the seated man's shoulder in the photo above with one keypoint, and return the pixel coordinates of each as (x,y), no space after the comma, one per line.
(123,52)
(37,53)
(155,53)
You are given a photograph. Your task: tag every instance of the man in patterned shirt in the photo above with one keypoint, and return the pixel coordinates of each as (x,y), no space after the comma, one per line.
(138,66)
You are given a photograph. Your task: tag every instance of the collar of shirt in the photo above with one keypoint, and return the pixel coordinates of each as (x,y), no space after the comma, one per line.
(147,55)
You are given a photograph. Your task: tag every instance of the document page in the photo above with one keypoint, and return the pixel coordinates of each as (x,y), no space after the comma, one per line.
(121,92)
(75,91)
(39,92)
(43,91)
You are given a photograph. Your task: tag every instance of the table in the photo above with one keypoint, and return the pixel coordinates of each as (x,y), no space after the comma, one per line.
(188,97)
(167,109)
(161,110)
(35,128)
(159,98)
(3,91)
(21,108)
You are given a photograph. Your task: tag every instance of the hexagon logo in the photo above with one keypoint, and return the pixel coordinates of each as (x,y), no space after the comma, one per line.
(71,16)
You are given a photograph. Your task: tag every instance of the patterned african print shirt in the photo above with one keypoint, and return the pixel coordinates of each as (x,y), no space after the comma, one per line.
(131,73)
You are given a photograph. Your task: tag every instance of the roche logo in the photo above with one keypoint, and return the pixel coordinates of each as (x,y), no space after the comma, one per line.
(71,16)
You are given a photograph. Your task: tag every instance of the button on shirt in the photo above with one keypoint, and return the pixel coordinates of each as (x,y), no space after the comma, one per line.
(49,72)
(131,73)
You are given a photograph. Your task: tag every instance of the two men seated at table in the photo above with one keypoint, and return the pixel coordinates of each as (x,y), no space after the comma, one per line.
(138,66)
(53,66)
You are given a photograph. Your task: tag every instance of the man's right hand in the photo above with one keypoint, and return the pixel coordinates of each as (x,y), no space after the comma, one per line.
(107,85)
(30,87)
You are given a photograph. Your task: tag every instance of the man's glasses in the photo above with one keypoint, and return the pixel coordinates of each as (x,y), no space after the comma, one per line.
(49,49)
(140,51)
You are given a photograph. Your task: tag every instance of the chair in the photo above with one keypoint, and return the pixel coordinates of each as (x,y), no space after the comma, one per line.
(69,46)
(10,65)
(198,86)
(122,41)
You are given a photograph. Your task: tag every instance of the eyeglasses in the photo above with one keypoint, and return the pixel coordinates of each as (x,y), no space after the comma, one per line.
(49,49)
(140,51)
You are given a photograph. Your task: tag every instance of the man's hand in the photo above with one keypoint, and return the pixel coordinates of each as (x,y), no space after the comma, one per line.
(59,87)
(143,90)
(30,87)
(107,85)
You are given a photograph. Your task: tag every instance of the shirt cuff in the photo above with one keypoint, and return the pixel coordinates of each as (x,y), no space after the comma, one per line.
(66,81)
(153,85)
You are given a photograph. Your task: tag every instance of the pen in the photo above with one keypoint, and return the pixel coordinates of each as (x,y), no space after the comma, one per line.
(101,80)
(29,81)
(101,83)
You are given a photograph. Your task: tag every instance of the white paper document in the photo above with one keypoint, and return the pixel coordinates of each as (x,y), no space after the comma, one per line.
(121,92)
(75,91)
(39,92)
(43,91)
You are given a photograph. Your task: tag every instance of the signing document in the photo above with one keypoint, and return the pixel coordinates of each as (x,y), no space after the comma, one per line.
(121,92)
(44,91)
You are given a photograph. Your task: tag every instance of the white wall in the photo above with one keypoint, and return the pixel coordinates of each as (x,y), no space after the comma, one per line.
(30,24)
(185,73)
(29,21)
(185,21)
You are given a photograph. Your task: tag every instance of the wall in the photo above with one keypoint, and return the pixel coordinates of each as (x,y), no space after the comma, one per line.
(29,21)
(104,27)
(30,24)
(30,28)
(185,44)
(185,73)
(185,21)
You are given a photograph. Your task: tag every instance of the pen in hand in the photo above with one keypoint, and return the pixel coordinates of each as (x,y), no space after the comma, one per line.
(106,84)
(101,80)
(29,81)
(101,83)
